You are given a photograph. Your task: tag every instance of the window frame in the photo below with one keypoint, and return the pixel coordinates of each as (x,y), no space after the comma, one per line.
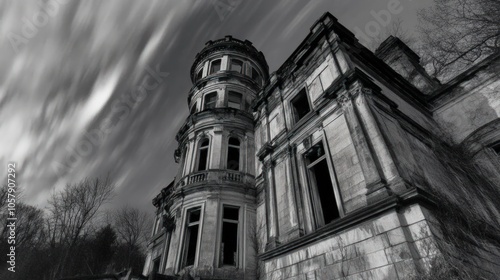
(242,71)
(239,237)
(215,94)
(198,155)
(185,243)
(211,66)
(234,147)
(312,192)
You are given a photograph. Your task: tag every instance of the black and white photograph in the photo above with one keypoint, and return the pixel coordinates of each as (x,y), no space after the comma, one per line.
(249,140)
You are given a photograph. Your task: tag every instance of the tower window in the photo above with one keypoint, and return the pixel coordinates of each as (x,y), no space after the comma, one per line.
(300,105)
(203,155)
(191,236)
(193,109)
(256,77)
(320,182)
(233,154)
(215,66)
(236,65)
(234,100)
(210,100)
(199,75)
(229,241)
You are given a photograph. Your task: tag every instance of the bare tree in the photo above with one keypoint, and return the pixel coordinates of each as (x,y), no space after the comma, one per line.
(71,211)
(132,227)
(395,29)
(459,32)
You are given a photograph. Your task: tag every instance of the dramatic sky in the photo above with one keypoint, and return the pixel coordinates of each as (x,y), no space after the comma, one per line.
(73,74)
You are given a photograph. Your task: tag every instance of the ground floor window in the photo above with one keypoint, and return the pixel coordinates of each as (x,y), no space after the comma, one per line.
(191,236)
(229,239)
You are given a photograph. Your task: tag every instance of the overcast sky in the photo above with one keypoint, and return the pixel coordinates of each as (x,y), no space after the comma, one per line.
(73,75)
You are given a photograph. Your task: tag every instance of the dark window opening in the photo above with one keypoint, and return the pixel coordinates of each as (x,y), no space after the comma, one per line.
(255,76)
(236,65)
(215,66)
(300,105)
(322,190)
(496,148)
(203,158)
(233,154)
(210,100)
(229,242)
(200,74)
(191,239)
(234,100)
(156,266)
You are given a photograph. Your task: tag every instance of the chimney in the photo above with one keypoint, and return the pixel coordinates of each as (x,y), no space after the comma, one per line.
(406,63)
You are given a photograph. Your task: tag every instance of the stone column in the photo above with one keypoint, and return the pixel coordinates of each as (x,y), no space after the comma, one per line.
(271,207)
(294,193)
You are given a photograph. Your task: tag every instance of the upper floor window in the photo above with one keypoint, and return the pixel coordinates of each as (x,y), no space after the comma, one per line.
(234,100)
(210,100)
(496,148)
(203,155)
(200,74)
(233,154)
(300,105)
(215,66)
(229,239)
(193,109)
(191,237)
(236,65)
(256,77)
(324,202)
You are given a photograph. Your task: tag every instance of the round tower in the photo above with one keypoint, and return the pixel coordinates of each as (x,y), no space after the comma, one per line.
(214,192)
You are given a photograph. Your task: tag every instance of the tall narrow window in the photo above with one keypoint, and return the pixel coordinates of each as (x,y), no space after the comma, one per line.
(215,66)
(236,65)
(229,241)
(233,154)
(203,155)
(193,109)
(234,100)
(156,266)
(300,105)
(322,192)
(210,100)
(191,237)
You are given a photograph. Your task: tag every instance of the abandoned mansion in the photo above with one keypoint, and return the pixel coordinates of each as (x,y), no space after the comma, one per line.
(341,164)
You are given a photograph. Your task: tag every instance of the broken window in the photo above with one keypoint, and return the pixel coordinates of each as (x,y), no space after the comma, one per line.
(234,100)
(203,155)
(321,187)
(233,154)
(210,100)
(215,66)
(236,65)
(300,105)
(191,237)
(229,240)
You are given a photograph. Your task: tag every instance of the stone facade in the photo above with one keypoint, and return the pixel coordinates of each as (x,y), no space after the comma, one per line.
(335,160)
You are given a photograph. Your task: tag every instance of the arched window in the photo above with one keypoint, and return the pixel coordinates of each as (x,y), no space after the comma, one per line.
(236,65)
(203,155)
(210,100)
(215,66)
(234,100)
(233,154)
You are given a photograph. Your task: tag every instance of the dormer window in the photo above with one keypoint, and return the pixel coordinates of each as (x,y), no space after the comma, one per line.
(236,65)
(215,66)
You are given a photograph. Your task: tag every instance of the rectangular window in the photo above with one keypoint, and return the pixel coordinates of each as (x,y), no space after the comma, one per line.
(234,100)
(320,182)
(191,236)
(300,105)
(215,66)
(229,241)
(210,100)
(236,65)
